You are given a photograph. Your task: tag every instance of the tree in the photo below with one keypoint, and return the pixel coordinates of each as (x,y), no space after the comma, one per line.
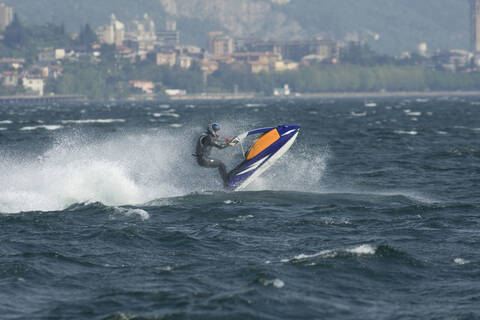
(16,34)
(362,54)
(87,37)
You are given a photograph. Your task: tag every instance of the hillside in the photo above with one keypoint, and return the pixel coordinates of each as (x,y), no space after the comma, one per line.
(400,24)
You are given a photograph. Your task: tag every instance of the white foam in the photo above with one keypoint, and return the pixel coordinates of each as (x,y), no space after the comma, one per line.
(176,125)
(360,114)
(364,249)
(166,268)
(411,132)
(421,100)
(2,129)
(46,127)
(129,212)
(6,122)
(461,261)
(116,171)
(323,254)
(166,114)
(86,121)
(332,221)
(467,128)
(412,113)
(254,105)
(243,218)
(277,283)
(297,170)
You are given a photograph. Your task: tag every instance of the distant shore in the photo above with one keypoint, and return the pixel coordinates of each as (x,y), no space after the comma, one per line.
(332,95)
(246,96)
(30,99)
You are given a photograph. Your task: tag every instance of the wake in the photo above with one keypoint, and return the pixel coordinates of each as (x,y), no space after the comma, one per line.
(117,170)
(134,168)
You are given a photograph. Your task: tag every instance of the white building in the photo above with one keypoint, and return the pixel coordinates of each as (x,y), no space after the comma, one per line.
(9,78)
(185,62)
(143,33)
(175,92)
(60,54)
(113,34)
(166,59)
(144,85)
(285,91)
(6,16)
(34,84)
(143,30)
(423,49)
(51,55)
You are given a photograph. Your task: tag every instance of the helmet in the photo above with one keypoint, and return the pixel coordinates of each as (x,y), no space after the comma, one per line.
(213,128)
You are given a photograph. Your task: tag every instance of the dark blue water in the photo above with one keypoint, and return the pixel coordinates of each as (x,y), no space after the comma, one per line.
(373,214)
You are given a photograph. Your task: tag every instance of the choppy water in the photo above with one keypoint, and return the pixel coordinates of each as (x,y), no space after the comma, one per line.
(373,214)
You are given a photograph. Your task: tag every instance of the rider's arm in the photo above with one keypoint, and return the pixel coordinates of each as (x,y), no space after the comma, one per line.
(217,144)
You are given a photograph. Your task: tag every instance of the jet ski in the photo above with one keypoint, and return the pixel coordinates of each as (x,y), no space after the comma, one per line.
(271,144)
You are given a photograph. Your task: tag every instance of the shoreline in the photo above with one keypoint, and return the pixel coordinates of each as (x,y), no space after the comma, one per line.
(30,99)
(247,96)
(331,95)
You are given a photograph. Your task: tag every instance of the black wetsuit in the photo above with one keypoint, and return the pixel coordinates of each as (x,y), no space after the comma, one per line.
(205,143)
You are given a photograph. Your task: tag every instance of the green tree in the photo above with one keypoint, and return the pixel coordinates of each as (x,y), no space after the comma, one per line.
(362,54)
(16,34)
(87,37)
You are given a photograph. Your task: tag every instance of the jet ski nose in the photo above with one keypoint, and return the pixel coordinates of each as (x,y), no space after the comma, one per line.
(288,130)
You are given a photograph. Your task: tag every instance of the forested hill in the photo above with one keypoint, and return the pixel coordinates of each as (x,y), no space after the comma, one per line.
(400,24)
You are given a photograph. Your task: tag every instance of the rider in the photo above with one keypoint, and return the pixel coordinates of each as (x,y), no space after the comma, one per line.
(205,143)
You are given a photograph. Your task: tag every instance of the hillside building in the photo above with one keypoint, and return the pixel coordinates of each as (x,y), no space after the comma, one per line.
(219,44)
(295,50)
(285,91)
(34,84)
(6,16)
(13,63)
(144,85)
(143,34)
(170,37)
(166,59)
(185,61)
(113,34)
(9,78)
(49,55)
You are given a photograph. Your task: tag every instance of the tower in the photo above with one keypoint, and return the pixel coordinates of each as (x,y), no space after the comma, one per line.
(6,16)
(475,25)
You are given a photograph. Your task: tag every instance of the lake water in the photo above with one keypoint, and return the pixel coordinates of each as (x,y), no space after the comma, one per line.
(374,213)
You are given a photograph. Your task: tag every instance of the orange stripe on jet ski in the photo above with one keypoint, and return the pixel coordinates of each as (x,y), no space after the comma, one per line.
(263,142)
